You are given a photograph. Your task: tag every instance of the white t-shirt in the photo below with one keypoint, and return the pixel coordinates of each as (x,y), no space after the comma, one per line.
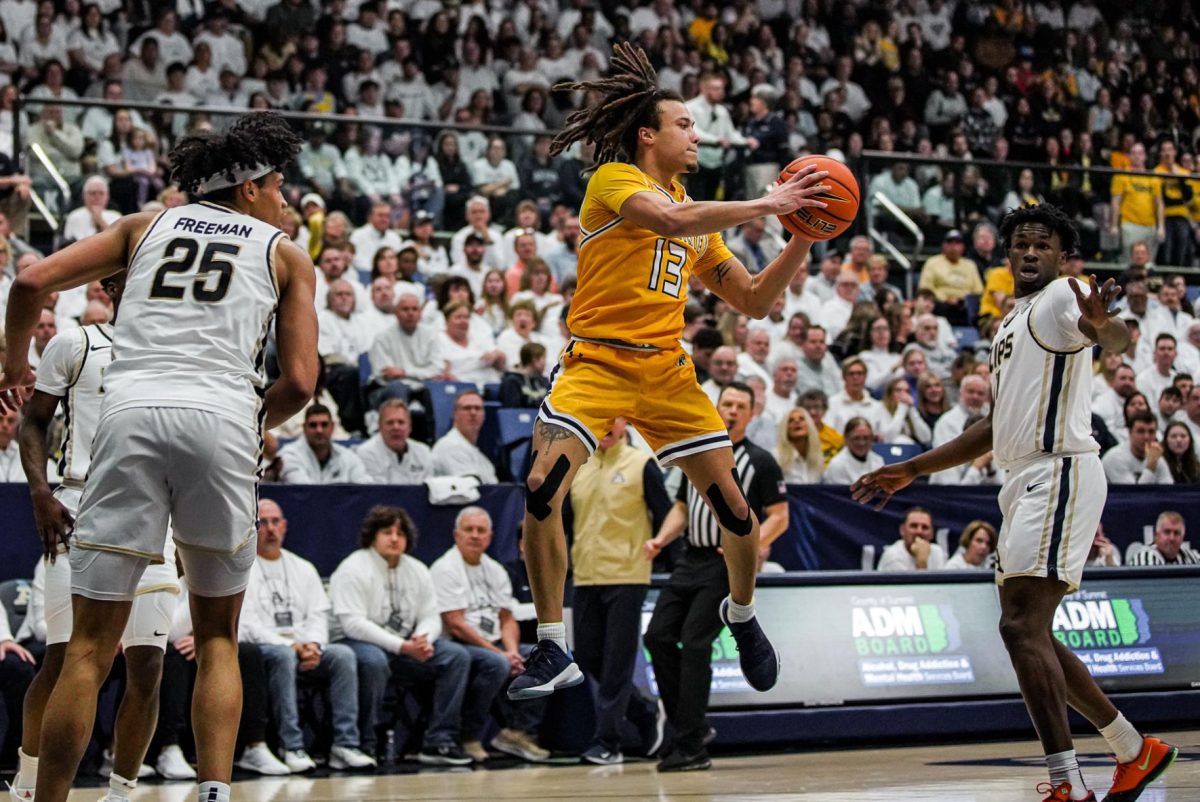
(480,591)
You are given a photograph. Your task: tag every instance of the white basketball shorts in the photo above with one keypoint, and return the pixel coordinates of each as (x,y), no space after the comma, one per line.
(151,466)
(1051,509)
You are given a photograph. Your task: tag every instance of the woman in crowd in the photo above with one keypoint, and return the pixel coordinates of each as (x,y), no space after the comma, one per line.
(536,281)
(976,548)
(457,184)
(1105,369)
(932,402)
(799,449)
(857,458)
(904,424)
(493,301)
(523,318)
(1179,450)
(468,359)
(384,263)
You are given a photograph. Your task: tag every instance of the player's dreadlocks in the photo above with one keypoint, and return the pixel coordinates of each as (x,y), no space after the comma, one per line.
(1052,217)
(629,101)
(260,138)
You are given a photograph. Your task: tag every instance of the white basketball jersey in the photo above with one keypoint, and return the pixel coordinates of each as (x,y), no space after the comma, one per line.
(72,368)
(195,314)
(1041,366)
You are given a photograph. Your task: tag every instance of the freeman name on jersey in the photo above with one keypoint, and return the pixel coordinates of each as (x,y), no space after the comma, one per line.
(211,227)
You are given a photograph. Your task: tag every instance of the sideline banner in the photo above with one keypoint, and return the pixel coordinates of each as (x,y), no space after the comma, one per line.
(862,643)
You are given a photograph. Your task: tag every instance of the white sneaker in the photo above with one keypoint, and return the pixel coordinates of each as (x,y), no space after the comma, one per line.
(106,767)
(19,794)
(172,766)
(298,761)
(258,759)
(349,757)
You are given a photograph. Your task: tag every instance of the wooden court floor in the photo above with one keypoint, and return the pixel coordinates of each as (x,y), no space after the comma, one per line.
(992,772)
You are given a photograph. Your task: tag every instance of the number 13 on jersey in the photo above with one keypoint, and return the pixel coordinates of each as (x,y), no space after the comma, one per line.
(666,274)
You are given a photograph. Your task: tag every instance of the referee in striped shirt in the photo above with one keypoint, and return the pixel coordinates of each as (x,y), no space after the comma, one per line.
(1169,547)
(686,610)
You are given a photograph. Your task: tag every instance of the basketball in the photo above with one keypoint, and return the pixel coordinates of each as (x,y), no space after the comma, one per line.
(842,199)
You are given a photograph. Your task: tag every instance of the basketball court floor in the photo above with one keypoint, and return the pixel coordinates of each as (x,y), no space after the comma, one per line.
(992,772)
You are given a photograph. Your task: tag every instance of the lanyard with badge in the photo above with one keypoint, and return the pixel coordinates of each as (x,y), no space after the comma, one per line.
(489,626)
(397,617)
(281,603)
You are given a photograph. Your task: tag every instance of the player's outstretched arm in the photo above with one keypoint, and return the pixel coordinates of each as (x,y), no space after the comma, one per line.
(1097,322)
(755,295)
(973,443)
(656,212)
(91,259)
(295,335)
(53,521)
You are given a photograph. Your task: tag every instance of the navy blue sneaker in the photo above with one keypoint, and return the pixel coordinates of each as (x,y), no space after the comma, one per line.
(547,669)
(760,661)
(680,760)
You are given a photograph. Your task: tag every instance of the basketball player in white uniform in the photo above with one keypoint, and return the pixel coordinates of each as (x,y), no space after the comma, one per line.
(70,372)
(1040,429)
(180,430)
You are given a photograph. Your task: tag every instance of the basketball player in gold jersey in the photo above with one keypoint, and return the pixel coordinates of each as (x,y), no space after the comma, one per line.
(642,237)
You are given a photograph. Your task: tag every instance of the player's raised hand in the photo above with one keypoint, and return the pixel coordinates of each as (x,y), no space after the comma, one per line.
(886,481)
(799,191)
(1095,308)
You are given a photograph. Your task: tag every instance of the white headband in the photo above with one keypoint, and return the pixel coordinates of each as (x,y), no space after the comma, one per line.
(221,179)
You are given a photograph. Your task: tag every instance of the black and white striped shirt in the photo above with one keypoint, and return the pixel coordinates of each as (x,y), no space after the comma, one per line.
(761,480)
(1152,556)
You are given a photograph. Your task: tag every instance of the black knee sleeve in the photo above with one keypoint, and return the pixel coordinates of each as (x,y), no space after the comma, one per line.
(725,517)
(537,501)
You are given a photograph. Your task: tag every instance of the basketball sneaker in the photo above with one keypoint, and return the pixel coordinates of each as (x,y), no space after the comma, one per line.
(547,669)
(1130,779)
(760,661)
(1061,793)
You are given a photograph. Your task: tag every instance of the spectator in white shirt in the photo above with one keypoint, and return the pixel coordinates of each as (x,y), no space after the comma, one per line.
(391,456)
(172,45)
(1109,405)
(882,363)
(1152,380)
(717,133)
(496,178)
(973,401)
(316,459)
(286,614)
(754,357)
(479,223)
(385,609)
(375,234)
(456,454)
(915,550)
(94,216)
(474,596)
(857,458)
(1168,548)
(405,354)
(854,401)
(817,369)
(799,299)
(836,311)
(939,357)
(782,396)
(1140,461)
(470,359)
(522,317)
(722,369)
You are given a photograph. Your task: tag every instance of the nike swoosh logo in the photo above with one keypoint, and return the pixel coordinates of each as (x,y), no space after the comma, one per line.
(1146,762)
(158,634)
(100,347)
(1029,488)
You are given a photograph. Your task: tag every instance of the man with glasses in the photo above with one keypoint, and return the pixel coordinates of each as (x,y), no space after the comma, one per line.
(456,454)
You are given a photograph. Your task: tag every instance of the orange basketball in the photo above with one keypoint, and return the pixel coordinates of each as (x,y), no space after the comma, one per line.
(842,199)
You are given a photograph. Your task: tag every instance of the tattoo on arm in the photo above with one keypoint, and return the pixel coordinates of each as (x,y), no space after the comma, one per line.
(721,271)
(550,432)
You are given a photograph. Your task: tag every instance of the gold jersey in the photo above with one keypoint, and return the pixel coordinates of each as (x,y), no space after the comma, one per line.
(632,283)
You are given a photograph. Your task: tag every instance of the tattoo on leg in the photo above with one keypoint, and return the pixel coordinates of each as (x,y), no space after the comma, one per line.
(550,432)
(537,502)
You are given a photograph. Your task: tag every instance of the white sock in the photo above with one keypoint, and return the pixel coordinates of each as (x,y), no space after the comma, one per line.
(740,613)
(1125,741)
(1064,768)
(26,778)
(555,632)
(119,788)
(211,791)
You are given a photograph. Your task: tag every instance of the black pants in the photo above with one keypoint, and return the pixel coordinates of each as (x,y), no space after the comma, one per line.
(704,183)
(606,619)
(175,696)
(680,637)
(1176,249)
(15,676)
(342,383)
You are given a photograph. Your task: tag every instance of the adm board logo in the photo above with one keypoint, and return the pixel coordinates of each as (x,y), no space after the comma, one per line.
(904,629)
(1090,621)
